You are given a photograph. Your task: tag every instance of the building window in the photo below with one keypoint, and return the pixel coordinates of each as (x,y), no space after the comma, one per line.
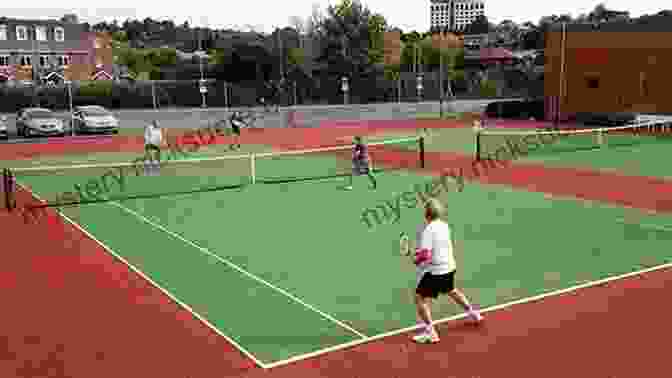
(40,33)
(25,60)
(3,32)
(63,60)
(592,82)
(21,33)
(4,60)
(59,34)
(44,60)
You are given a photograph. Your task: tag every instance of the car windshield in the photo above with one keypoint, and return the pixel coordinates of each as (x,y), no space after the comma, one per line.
(41,114)
(95,112)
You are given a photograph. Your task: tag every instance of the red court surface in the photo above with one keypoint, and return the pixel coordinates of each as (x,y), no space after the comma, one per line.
(72,310)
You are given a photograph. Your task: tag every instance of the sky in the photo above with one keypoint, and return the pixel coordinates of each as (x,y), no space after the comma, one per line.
(264,16)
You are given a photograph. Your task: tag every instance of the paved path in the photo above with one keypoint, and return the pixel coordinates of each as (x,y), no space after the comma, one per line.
(307,116)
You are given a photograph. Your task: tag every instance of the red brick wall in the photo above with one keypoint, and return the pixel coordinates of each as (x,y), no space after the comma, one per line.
(631,69)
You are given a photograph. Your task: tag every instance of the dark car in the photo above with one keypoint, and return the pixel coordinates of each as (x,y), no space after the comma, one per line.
(94,119)
(38,122)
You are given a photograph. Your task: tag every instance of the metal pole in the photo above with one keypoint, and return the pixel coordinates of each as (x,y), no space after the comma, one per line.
(72,116)
(226,95)
(296,97)
(441,84)
(399,89)
(154,96)
(563,47)
(202,83)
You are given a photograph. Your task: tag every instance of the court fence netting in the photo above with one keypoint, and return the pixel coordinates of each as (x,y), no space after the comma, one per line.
(502,144)
(72,185)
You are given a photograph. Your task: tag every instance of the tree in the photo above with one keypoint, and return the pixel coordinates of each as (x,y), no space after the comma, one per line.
(479,26)
(351,39)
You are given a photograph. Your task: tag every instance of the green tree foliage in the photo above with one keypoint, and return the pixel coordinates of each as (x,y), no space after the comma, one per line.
(147,61)
(351,39)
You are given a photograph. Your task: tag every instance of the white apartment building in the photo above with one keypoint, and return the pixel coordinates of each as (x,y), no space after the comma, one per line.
(454,14)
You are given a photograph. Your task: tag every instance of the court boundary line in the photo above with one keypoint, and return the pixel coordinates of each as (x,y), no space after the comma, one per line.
(240,270)
(145,277)
(534,298)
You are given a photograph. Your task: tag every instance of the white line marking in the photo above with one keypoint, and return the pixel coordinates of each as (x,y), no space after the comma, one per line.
(456,317)
(240,270)
(146,278)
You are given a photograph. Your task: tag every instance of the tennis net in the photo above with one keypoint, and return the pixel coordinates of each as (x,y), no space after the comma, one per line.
(92,183)
(507,144)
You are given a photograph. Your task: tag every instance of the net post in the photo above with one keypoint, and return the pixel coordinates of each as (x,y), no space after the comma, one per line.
(600,138)
(422,151)
(5,188)
(8,188)
(478,145)
(253,171)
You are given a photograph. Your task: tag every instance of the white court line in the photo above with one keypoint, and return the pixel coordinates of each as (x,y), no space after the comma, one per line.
(156,285)
(240,270)
(456,317)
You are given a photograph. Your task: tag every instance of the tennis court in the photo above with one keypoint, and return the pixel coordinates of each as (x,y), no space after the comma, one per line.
(634,151)
(289,269)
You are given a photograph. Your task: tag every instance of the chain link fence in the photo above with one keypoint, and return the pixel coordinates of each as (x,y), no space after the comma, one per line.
(301,91)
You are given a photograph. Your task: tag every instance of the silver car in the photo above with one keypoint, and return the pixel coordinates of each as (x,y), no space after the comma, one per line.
(38,122)
(94,119)
(3,128)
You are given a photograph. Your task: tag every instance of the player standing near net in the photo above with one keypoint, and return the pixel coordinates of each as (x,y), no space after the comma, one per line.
(237,122)
(436,269)
(361,163)
(153,140)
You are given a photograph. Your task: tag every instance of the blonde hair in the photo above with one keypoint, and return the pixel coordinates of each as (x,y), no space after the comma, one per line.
(434,208)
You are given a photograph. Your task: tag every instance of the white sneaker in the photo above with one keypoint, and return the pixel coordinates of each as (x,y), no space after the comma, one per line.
(426,338)
(348,188)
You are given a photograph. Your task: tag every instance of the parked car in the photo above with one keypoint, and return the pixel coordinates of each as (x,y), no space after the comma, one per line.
(3,128)
(38,122)
(94,119)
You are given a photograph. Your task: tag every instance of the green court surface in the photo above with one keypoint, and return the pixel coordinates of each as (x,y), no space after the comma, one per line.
(288,269)
(639,158)
(127,157)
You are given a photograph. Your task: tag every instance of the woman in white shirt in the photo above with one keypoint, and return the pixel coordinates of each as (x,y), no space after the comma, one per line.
(153,140)
(436,269)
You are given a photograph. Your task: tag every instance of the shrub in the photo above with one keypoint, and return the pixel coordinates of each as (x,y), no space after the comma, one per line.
(488,88)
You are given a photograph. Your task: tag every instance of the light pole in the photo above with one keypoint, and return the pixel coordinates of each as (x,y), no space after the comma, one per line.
(68,83)
(345,87)
(201,83)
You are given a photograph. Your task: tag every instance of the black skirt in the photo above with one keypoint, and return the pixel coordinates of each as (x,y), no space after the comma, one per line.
(432,285)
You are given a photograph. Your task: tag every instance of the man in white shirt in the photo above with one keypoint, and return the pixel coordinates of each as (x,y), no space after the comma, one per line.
(153,141)
(436,267)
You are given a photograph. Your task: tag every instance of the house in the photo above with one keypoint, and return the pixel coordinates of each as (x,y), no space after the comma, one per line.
(619,67)
(40,50)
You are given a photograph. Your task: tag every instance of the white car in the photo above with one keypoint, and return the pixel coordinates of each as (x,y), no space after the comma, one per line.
(38,122)
(3,128)
(94,119)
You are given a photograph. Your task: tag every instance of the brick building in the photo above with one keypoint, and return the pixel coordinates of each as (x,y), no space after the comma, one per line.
(608,68)
(50,49)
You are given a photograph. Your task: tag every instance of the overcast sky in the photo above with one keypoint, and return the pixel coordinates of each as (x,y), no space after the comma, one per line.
(266,15)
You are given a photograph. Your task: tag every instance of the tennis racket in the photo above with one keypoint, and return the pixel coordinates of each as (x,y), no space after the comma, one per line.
(404,245)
